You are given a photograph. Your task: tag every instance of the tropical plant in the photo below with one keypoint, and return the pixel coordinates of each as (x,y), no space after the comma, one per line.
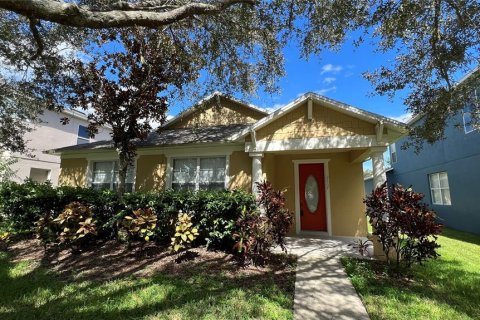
(273,203)
(259,230)
(4,240)
(185,233)
(76,225)
(404,226)
(362,246)
(141,224)
(46,229)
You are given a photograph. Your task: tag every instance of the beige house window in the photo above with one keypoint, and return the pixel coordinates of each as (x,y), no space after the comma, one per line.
(199,173)
(105,176)
(439,188)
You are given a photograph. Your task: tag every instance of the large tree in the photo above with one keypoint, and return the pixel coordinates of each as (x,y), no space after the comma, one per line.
(240,42)
(127,89)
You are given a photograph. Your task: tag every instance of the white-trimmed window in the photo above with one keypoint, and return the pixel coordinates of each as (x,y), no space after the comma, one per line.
(393,153)
(439,188)
(199,173)
(105,176)
(83,135)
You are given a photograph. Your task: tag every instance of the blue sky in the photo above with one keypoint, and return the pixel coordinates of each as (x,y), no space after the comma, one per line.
(337,75)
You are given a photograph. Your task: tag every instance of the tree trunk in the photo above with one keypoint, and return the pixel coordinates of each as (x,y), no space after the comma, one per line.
(122,175)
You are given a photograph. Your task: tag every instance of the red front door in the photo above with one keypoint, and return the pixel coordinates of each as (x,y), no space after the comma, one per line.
(313,215)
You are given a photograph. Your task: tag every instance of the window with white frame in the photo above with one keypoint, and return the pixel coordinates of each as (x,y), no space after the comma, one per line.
(439,188)
(199,173)
(470,110)
(393,153)
(105,176)
(83,135)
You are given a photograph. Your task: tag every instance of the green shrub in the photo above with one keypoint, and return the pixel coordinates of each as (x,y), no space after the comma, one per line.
(140,224)
(23,206)
(46,229)
(76,225)
(4,240)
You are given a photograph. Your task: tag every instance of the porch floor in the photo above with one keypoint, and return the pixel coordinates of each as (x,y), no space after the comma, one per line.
(322,288)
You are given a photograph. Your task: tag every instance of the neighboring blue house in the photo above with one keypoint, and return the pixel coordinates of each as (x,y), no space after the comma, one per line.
(447,172)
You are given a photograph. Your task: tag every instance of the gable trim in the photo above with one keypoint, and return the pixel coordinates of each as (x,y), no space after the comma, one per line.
(215,95)
(330,103)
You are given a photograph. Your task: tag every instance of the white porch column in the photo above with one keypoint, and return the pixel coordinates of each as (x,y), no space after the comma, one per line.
(379,176)
(256,169)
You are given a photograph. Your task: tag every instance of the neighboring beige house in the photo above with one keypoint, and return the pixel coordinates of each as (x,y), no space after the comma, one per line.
(312,148)
(50,134)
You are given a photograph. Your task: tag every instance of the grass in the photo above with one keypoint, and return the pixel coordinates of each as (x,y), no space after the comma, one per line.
(29,292)
(446,288)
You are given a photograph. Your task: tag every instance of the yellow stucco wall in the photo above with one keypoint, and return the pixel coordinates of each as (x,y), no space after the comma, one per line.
(346,181)
(325,122)
(151,171)
(346,190)
(240,171)
(73,172)
(213,115)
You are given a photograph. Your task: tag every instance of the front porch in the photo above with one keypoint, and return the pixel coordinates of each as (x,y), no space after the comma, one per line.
(338,187)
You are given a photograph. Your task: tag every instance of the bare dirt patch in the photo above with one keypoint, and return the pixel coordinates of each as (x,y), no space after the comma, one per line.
(110,260)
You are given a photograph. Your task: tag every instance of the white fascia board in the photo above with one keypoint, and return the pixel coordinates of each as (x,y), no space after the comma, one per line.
(322,143)
(330,103)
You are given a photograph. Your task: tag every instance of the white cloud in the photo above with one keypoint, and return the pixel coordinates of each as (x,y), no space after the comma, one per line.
(326,90)
(403,117)
(170,117)
(329,80)
(331,68)
(275,107)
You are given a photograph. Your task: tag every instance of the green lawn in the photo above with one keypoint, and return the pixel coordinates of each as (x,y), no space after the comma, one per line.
(447,288)
(28,292)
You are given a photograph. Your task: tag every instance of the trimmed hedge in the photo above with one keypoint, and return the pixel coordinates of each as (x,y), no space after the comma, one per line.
(215,212)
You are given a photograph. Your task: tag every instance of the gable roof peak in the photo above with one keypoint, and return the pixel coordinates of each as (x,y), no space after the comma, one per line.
(214,95)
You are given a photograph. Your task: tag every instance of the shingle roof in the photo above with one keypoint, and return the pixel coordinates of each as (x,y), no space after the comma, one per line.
(169,137)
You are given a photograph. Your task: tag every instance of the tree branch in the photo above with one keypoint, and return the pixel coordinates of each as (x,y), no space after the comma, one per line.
(70,14)
(38,38)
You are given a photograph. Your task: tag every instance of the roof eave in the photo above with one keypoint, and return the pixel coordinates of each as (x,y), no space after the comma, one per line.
(341,107)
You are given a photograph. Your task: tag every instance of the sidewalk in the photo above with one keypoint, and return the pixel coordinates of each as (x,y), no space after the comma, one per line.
(322,288)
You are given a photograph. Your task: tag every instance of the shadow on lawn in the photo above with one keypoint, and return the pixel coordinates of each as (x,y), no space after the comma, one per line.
(41,294)
(461,236)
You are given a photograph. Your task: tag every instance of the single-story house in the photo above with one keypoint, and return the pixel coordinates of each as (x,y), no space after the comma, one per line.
(312,148)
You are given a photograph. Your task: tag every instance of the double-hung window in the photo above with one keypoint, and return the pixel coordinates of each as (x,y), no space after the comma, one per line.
(83,136)
(439,188)
(105,176)
(199,173)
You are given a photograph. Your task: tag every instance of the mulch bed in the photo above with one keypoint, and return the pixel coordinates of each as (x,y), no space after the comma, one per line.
(111,260)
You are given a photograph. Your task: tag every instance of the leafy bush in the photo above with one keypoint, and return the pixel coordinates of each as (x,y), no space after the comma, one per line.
(76,225)
(46,229)
(25,206)
(403,224)
(258,230)
(214,212)
(4,240)
(185,233)
(141,224)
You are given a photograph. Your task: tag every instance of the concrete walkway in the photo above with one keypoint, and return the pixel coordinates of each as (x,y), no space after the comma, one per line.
(322,288)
